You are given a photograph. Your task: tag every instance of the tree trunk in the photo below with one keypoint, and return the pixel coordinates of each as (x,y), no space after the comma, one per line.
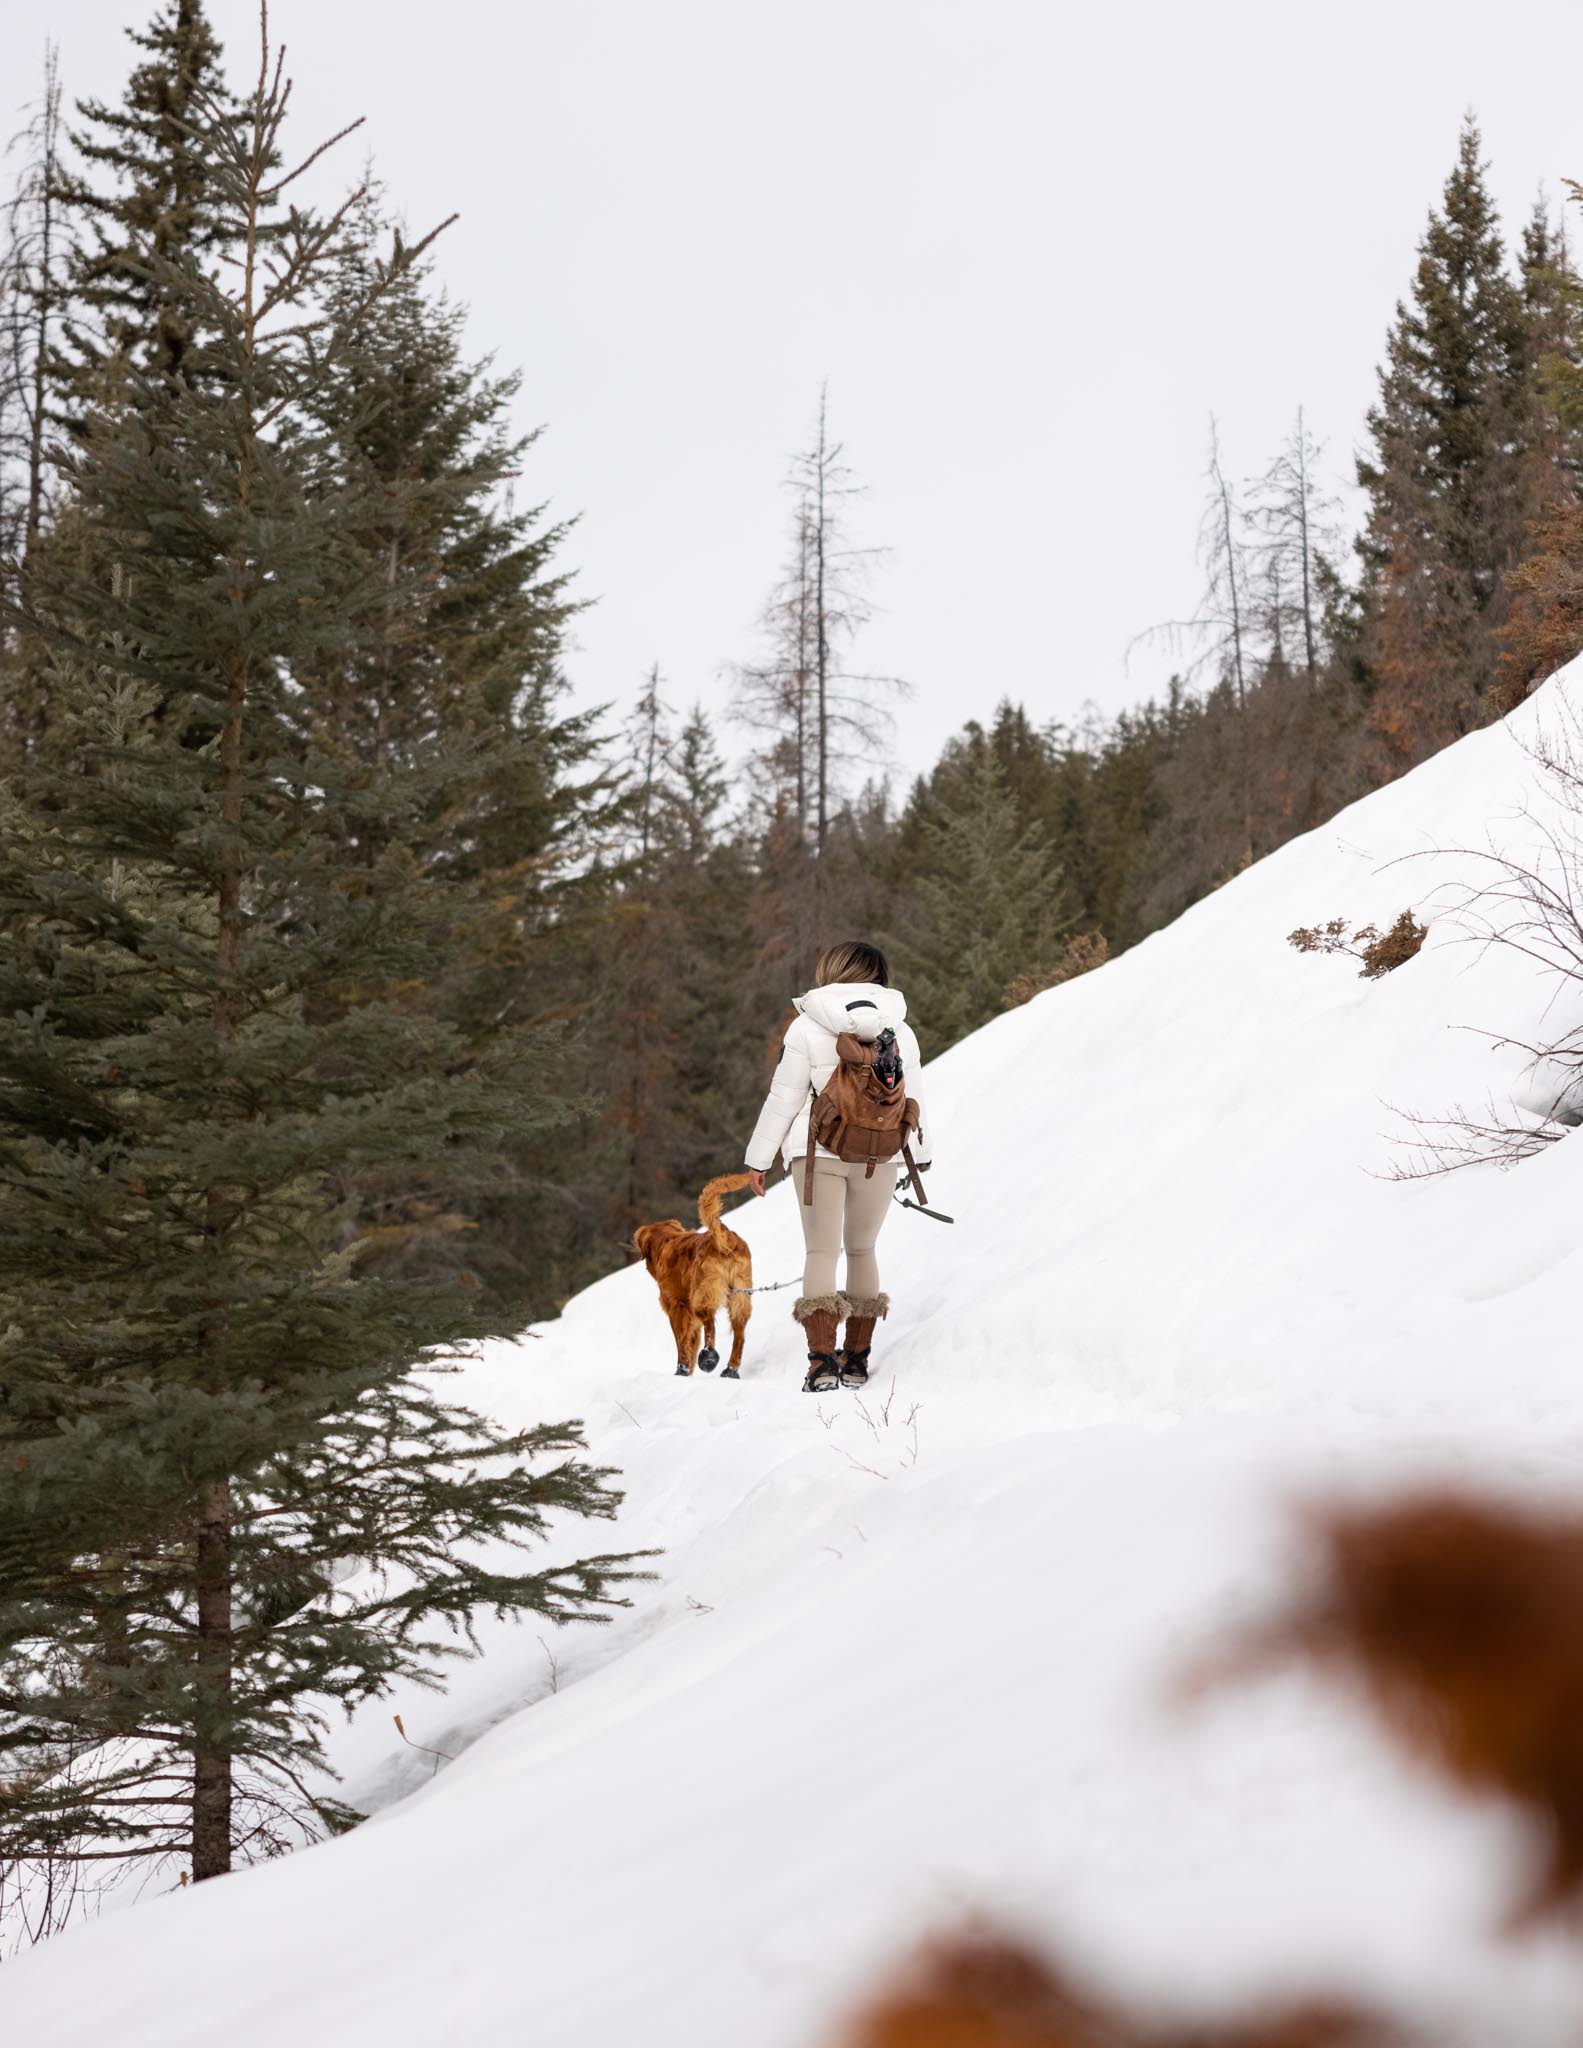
(211,1766)
(211,1788)
(821,648)
(649,711)
(214,1674)
(1235,596)
(43,305)
(1302,518)
(801,672)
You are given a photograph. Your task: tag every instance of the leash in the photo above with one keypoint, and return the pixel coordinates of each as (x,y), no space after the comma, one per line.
(776,1286)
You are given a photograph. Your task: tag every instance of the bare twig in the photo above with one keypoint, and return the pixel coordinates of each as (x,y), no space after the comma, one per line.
(842,1451)
(1531,906)
(439,1755)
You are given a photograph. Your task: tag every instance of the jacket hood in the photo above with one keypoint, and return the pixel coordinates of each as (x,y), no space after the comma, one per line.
(861,1007)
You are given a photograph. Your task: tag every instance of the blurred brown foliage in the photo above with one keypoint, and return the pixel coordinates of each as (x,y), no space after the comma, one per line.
(997,1994)
(1462,1622)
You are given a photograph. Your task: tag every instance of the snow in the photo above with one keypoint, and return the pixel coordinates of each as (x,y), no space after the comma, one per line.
(902,1671)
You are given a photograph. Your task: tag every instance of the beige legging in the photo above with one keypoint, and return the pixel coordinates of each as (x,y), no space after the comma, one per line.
(847,1207)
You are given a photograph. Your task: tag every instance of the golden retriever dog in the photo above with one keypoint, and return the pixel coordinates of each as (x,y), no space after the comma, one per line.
(701,1272)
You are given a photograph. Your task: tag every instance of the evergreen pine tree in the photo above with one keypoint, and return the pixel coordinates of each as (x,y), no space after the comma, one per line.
(146,210)
(723,1021)
(1551,467)
(1443,523)
(214,1051)
(988,905)
(641,1044)
(461,630)
(675,1040)
(1545,629)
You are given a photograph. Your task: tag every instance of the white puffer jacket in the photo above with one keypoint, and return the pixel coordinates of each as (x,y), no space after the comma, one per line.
(808,1059)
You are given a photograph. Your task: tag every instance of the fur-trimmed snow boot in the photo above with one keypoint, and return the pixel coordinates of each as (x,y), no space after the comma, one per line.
(863,1311)
(820,1315)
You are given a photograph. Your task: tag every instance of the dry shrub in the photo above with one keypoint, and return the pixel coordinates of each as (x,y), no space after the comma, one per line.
(1492,1136)
(1081,955)
(1386,950)
(1379,951)
(1462,1622)
(990,1993)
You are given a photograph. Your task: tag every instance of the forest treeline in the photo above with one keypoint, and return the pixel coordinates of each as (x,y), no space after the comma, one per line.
(358,994)
(666,878)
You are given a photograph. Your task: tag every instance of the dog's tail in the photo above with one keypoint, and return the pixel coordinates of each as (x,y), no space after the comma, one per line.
(709,1201)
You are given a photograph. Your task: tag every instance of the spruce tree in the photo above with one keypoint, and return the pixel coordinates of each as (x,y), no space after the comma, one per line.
(146,210)
(639,1046)
(1545,629)
(674,1037)
(461,630)
(214,1053)
(1551,467)
(469,611)
(722,1024)
(988,904)
(1441,477)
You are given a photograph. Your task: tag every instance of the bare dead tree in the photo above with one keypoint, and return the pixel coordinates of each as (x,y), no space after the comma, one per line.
(1218,635)
(1293,530)
(31,297)
(822,717)
(649,742)
(772,696)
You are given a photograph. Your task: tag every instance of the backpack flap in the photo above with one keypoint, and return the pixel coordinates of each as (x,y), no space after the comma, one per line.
(857,1114)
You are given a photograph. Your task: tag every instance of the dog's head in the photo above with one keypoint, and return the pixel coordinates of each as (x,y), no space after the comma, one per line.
(650,1238)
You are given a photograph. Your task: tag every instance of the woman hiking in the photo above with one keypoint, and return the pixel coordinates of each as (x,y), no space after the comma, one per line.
(843,1202)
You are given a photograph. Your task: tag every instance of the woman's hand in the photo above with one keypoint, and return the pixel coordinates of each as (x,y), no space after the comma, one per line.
(756,1179)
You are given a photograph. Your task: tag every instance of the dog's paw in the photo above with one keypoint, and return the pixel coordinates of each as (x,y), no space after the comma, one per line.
(708,1358)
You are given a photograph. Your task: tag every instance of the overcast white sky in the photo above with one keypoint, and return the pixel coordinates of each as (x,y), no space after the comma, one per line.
(1032,247)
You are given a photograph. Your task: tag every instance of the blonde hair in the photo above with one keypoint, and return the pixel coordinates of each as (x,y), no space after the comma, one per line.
(852,960)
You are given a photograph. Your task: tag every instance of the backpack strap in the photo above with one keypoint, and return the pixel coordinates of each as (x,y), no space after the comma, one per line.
(807,1177)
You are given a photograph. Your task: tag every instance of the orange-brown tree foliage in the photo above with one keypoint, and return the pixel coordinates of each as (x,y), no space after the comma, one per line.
(1545,628)
(997,1994)
(1461,1622)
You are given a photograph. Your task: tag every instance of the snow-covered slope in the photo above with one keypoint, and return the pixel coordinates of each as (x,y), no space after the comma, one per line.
(902,1668)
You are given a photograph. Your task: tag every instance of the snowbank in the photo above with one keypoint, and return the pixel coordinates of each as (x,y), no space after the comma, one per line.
(903,1669)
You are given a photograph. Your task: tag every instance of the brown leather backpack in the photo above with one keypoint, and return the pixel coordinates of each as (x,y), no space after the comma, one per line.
(857,1115)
